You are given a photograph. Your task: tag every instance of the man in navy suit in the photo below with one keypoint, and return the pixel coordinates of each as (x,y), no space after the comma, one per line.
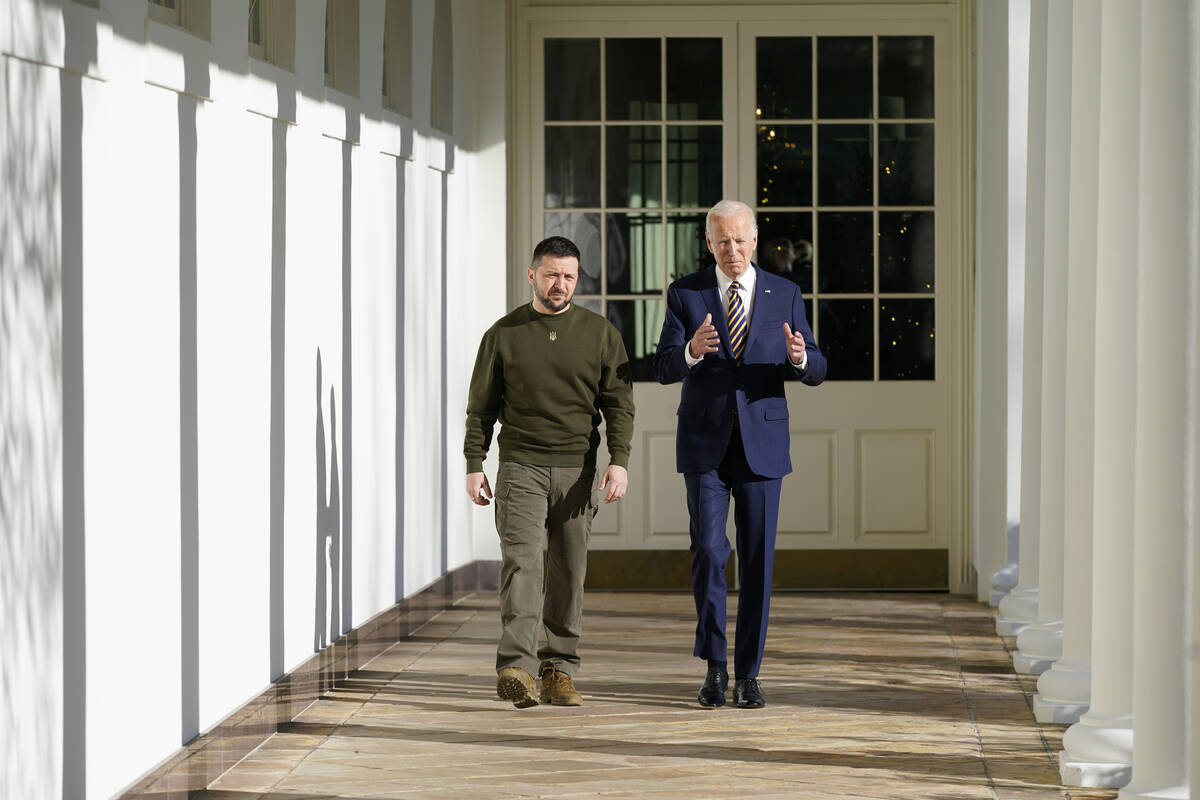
(732,333)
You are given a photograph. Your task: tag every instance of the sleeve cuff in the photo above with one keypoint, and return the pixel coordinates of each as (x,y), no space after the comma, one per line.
(474,465)
(687,358)
(619,460)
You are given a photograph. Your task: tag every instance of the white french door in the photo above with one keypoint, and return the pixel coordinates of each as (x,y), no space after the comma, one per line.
(844,128)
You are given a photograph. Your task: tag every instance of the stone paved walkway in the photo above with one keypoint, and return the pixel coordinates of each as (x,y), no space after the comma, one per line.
(869,696)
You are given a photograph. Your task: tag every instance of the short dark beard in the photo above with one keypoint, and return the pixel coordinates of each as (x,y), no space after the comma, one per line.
(549,306)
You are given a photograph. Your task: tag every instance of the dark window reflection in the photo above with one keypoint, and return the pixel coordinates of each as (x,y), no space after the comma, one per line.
(906,164)
(844,178)
(634,166)
(573,166)
(635,251)
(693,165)
(633,78)
(846,337)
(584,231)
(845,252)
(784,165)
(687,251)
(906,340)
(905,77)
(784,70)
(640,323)
(694,78)
(906,251)
(785,246)
(572,79)
(844,82)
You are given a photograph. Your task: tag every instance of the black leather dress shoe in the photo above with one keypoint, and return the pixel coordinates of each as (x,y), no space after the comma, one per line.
(748,694)
(712,691)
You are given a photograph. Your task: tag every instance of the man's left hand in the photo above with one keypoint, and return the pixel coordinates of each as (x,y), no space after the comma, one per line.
(616,480)
(795,345)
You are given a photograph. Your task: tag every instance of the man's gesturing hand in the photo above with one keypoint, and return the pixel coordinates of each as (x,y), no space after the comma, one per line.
(704,340)
(795,345)
(616,479)
(478,489)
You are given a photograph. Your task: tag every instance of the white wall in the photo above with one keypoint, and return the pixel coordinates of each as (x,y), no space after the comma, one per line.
(31,416)
(231,221)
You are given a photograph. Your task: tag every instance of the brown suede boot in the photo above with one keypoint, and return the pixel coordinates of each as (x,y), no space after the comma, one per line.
(517,685)
(558,689)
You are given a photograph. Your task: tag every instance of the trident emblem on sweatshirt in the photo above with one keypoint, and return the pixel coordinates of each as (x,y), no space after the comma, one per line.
(554,336)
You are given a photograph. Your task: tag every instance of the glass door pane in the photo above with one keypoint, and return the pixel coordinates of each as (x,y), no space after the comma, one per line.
(633,134)
(845,198)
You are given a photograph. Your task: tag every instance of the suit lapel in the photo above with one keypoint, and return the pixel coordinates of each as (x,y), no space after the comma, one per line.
(762,301)
(716,306)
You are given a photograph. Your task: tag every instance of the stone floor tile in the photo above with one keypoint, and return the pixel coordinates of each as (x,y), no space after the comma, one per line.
(869,696)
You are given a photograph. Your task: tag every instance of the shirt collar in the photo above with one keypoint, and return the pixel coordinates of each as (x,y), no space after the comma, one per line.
(747,281)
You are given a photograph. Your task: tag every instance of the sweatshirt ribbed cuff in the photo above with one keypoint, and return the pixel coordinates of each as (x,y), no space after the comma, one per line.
(474,465)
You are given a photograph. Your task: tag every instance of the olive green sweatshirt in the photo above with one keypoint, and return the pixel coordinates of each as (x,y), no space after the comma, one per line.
(548,378)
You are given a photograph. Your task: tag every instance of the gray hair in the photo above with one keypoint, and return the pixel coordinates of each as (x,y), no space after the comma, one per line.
(726,209)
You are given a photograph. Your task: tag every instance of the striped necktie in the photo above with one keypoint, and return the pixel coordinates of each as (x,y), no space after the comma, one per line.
(737,322)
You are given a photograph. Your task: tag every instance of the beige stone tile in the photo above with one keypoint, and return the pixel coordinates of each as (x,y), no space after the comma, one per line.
(870,696)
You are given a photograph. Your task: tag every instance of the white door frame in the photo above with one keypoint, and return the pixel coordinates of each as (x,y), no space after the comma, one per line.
(953,24)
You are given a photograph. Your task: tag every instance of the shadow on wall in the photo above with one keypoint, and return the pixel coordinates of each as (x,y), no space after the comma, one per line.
(41,412)
(287,104)
(189,394)
(329,523)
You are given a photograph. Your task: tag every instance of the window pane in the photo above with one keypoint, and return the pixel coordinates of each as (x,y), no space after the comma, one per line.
(693,165)
(640,323)
(846,337)
(694,78)
(635,253)
(906,342)
(844,165)
(845,252)
(634,166)
(572,79)
(785,165)
(906,164)
(844,76)
(905,77)
(784,77)
(584,231)
(590,303)
(906,251)
(687,251)
(572,166)
(785,246)
(633,78)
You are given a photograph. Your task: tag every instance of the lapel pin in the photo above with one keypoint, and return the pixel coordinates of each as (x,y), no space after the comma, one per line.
(766,291)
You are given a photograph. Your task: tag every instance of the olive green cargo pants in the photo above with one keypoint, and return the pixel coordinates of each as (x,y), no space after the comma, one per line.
(544,518)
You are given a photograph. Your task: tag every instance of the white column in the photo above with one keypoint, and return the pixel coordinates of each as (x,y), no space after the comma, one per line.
(1098,750)
(1005,580)
(1020,607)
(1165,223)
(991,293)
(1064,691)
(1040,644)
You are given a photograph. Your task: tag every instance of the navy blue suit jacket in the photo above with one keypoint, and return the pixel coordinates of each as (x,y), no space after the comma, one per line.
(718,387)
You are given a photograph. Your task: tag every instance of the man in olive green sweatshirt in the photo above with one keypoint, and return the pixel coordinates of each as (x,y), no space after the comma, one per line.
(547,371)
